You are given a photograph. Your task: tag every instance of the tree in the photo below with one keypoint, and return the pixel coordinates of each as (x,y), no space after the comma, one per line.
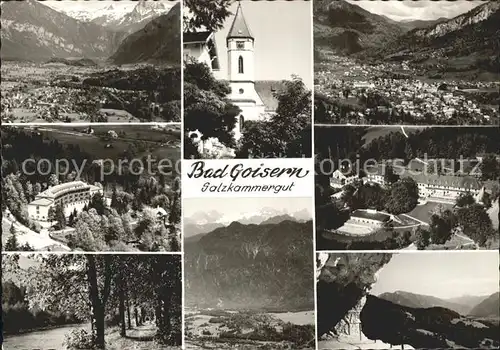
(475,222)
(403,196)
(464,200)
(404,240)
(288,132)
(389,176)
(209,15)
(12,244)
(441,227)
(490,168)
(422,238)
(206,107)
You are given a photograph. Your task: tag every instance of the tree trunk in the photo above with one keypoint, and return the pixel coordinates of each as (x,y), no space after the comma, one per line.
(96,308)
(136,316)
(167,325)
(143,315)
(121,308)
(128,314)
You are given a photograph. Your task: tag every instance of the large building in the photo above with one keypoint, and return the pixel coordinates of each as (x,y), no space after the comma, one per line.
(71,195)
(255,98)
(432,186)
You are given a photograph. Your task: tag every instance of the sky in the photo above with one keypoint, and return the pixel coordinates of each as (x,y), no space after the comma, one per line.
(442,275)
(283,39)
(237,208)
(417,10)
(92,5)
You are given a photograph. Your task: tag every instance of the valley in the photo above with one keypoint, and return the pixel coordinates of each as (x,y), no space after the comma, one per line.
(370,69)
(99,72)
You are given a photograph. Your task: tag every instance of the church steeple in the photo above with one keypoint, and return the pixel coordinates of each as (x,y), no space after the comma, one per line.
(239,28)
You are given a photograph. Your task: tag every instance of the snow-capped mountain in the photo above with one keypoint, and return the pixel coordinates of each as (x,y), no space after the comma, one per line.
(129,17)
(33,30)
(111,11)
(256,218)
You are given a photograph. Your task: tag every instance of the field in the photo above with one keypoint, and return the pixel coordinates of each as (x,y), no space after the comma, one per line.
(249,330)
(158,143)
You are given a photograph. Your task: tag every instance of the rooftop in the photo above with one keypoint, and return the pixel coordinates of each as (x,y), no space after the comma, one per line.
(42,202)
(54,190)
(363,214)
(198,37)
(239,28)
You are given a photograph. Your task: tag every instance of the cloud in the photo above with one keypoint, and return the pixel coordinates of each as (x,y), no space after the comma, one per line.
(417,10)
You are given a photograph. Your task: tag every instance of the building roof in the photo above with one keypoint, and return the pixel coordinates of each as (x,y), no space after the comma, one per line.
(239,28)
(51,192)
(266,90)
(197,37)
(363,214)
(42,201)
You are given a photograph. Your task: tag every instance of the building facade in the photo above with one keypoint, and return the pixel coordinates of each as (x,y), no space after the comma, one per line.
(338,179)
(254,98)
(72,196)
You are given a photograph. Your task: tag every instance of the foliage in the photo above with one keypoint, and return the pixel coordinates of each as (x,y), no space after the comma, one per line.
(422,238)
(288,132)
(206,108)
(208,15)
(78,339)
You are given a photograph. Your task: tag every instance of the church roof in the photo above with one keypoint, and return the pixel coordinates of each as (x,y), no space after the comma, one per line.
(266,90)
(239,28)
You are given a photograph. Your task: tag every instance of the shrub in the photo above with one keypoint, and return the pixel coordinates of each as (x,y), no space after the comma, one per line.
(78,339)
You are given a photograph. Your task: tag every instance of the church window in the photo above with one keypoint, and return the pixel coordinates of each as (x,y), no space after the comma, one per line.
(240,65)
(241,91)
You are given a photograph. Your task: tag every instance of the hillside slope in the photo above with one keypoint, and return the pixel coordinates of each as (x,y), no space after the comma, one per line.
(252,267)
(158,42)
(32,30)
(489,307)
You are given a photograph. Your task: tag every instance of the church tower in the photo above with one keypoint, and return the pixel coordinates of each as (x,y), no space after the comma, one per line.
(240,51)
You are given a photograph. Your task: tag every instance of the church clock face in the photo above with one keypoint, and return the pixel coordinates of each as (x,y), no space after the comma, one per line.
(240,45)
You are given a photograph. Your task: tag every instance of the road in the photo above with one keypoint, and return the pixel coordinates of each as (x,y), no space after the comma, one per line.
(39,241)
(46,339)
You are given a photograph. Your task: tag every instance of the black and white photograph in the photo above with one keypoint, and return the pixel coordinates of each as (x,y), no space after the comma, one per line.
(406,62)
(91,61)
(91,188)
(247,79)
(87,301)
(407,187)
(248,273)
(425,300)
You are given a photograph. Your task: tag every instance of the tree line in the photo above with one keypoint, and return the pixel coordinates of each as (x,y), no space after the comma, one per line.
(102,290)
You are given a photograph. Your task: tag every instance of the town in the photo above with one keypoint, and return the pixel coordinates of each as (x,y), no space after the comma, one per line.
(408,199)
(64,93)
(352,92)
(71,189)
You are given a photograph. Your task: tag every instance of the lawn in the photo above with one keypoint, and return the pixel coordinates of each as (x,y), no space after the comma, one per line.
(422,212)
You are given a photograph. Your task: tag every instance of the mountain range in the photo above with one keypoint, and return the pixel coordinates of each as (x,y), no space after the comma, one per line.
(257,217)
(267,266)
(472,37)
(159,41)
(478,306)
(149,32)
(32,30)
